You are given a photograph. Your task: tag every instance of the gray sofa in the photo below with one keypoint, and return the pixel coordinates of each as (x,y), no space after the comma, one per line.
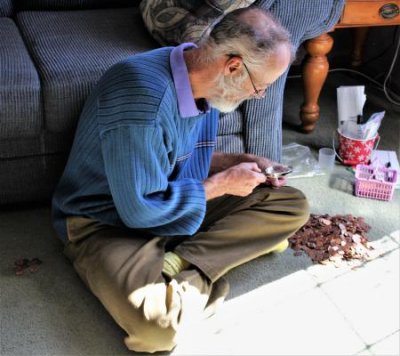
(52,52)
(51,55)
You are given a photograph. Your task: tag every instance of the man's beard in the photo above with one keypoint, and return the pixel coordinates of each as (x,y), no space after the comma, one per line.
(224,89)
(224,105)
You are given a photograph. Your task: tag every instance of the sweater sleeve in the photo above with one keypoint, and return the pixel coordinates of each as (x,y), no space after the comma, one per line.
(137,168)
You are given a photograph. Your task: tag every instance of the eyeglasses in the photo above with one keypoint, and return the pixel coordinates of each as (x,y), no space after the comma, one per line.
(258,94)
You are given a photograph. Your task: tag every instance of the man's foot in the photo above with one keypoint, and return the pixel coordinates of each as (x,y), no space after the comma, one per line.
(188,297)
(215,292)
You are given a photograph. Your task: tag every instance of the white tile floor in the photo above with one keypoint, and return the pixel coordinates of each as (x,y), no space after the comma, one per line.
(369,298)
(321,310)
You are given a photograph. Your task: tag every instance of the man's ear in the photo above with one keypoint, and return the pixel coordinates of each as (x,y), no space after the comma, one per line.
(233,65)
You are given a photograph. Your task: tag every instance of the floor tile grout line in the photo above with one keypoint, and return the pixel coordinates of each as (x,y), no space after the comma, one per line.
(347,321)
(393,238)
(362,264)
(368,347)
(350,324)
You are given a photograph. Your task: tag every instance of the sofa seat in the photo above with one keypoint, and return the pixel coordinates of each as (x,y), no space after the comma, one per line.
(230,132)
(52,52)
(72,49)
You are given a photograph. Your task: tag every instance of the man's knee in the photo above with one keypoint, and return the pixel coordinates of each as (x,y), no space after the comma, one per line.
(301,211)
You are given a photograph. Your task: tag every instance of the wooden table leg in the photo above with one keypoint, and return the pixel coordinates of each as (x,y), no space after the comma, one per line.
(359,37)
(315,70)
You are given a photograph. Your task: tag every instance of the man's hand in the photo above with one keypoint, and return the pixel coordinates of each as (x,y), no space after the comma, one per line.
(264,163)
(223,161)
(276,182)
(237,180)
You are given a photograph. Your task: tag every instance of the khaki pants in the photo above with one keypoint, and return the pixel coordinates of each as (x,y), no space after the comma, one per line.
(123,267)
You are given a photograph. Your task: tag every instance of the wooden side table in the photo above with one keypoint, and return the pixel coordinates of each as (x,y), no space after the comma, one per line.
(358,14)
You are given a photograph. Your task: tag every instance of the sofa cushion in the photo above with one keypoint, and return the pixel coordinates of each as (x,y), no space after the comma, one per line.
(72,49)
(20,100)
(6,8)
(230,132)
(26,5)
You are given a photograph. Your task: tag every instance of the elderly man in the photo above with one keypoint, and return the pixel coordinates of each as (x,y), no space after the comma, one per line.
(151,217)
(256,126)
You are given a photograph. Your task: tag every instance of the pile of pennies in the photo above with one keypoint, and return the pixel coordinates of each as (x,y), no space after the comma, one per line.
(333,239)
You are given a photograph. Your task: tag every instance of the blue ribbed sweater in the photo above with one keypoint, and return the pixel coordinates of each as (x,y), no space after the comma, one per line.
(135,161)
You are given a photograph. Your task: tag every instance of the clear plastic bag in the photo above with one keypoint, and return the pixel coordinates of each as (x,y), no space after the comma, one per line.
(301,159)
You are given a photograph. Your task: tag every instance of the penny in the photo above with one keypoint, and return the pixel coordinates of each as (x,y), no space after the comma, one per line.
(332,239)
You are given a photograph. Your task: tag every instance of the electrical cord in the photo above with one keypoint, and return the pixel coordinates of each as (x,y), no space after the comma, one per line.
(386,50)
(386,91)
(390,95)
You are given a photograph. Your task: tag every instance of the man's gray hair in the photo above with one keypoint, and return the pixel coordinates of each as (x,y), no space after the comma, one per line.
(251,33)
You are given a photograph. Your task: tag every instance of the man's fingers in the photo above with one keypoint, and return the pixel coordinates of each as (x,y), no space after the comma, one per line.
(260,178)
(277,182)
(252,166)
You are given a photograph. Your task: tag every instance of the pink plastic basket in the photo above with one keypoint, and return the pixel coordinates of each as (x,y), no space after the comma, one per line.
(375,182)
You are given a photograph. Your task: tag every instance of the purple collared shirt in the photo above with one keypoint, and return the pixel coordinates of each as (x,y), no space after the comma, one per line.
(186,102)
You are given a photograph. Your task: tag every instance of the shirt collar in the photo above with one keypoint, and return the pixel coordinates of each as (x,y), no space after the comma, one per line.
(186,103)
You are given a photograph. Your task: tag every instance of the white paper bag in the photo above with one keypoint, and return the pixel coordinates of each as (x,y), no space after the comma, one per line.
(350,103)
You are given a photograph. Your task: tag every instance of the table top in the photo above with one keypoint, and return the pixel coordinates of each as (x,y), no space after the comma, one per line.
(358,13)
